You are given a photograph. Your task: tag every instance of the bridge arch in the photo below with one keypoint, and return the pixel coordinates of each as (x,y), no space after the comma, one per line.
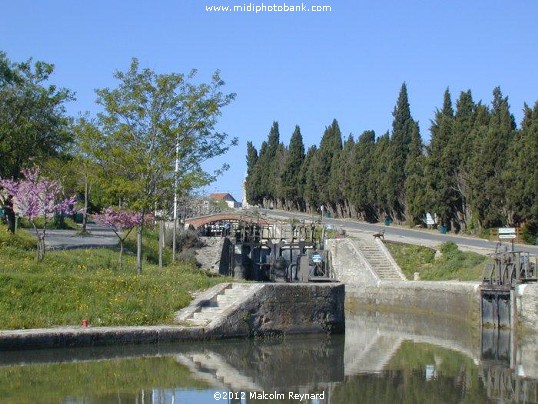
(198,222)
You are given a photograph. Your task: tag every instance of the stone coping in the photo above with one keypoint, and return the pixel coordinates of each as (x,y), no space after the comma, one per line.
(66,337)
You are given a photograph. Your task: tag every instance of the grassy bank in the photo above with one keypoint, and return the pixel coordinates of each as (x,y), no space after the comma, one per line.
(453,264)
(69,286)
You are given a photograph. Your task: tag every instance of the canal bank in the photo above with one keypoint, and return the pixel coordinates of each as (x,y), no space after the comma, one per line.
(265,310)
(449,299)
(375,282)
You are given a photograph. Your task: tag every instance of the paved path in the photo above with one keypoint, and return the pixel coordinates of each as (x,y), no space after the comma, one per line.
(100,236)
(428,238)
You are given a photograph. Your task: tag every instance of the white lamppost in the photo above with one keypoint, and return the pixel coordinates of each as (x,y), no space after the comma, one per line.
(174,230)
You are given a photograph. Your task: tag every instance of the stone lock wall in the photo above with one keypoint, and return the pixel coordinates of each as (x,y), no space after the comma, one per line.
(460,300)
(280,308)
(527,305)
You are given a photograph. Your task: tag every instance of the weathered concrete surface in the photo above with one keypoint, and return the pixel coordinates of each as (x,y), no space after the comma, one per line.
(65,337)
(459,300)
(213,256)
(279,309)
(527,305)
(276,309)
(364,260)
(527,356)
(217,303)
(349,266)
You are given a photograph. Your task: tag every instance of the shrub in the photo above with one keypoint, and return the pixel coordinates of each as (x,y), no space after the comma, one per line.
(185,239)
(529,233)
(21,239)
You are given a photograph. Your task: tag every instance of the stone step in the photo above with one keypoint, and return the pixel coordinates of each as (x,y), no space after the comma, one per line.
(220,303)
(204,316)
(212,309)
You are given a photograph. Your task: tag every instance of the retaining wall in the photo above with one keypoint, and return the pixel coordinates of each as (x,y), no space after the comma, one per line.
(460,300)
(527,305)
(280,308)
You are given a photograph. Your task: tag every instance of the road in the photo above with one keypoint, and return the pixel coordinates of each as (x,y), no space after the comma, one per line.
(429,238)
(100,236)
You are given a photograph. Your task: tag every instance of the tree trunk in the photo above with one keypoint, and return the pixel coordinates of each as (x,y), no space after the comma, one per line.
(161,242)
(85,214)
(10,215)
(40,243)
(139,247)
(121,254)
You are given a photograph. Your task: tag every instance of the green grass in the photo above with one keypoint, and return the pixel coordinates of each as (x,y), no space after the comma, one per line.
(69,286)
(452,265)
(54,223)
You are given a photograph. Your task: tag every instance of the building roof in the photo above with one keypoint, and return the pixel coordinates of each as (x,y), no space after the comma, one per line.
(222,196)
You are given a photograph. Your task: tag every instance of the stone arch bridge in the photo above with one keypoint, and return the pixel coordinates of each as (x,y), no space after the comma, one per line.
(198,222)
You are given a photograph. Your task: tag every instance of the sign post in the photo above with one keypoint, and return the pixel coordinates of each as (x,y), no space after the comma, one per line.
(507,233)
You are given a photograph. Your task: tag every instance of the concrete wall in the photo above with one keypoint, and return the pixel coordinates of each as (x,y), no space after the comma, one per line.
(349,267)
(527,305)
(459,300)
(280,308)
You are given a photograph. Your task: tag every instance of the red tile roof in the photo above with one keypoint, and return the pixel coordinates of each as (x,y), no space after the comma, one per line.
(222,196)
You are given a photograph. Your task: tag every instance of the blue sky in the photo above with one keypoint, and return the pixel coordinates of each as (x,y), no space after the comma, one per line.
(295,68)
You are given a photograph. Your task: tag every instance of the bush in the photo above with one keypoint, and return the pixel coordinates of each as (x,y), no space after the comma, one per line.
(529,233)
(448,248)
(21,239)
(185,239)
(59,223)
(188,257)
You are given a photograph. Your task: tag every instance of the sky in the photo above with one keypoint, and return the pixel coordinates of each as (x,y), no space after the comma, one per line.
(297,68)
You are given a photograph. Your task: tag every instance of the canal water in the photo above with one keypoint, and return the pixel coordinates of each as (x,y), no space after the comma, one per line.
(383,358)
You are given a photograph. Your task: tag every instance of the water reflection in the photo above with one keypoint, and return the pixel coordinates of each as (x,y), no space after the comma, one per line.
(383,359)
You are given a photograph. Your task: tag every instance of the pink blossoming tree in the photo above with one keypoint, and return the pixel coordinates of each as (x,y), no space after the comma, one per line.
(122,222)
(34,197)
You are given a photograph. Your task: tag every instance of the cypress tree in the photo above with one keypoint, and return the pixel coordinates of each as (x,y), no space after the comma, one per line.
(290,175)
(278,166)
(415,184)
(251,186)
(363,172)
(331,143)
(266,166)
(521,175)
(403,126)
(308,188)
(441,166)
(379,176)
(493,144)
(344,177)
(463,146)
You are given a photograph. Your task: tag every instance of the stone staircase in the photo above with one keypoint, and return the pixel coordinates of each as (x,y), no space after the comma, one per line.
(216,304)
(379,259)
